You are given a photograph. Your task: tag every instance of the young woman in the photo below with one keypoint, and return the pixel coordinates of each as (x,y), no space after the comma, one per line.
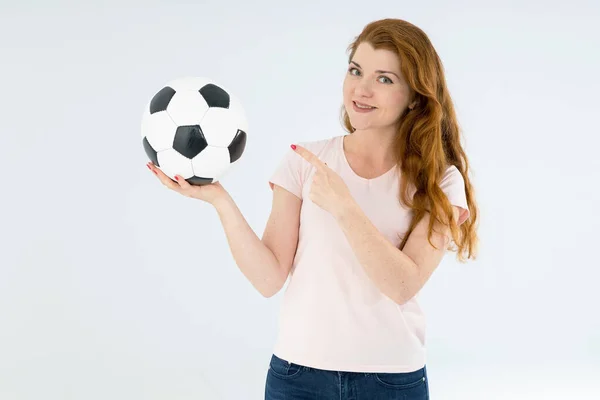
(359,222)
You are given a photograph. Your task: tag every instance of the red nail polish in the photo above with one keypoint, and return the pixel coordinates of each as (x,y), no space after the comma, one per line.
(293,147)
(176,178)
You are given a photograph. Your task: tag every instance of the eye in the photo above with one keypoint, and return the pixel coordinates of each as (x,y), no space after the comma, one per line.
(386,80)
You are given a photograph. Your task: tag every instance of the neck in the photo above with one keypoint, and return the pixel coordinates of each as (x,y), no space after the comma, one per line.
(373,147)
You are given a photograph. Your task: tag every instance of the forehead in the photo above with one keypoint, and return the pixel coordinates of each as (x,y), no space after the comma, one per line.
(373,59)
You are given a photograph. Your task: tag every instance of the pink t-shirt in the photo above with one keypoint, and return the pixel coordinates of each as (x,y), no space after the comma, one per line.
(332,316)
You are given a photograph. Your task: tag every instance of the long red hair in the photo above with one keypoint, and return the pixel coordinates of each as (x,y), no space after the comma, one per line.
(428,139)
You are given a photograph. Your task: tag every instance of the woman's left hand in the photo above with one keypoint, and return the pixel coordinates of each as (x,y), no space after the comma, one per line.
(328,189)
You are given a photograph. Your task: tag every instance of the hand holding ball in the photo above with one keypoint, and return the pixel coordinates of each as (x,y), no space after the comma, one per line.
(211,193)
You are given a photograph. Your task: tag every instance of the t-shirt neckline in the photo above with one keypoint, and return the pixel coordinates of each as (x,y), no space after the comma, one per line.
(354,174)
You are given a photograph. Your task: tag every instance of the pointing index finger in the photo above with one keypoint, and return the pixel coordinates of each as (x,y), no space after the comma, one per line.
(308,156)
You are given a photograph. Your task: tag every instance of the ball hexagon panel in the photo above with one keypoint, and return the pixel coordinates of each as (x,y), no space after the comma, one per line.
(220,126)
(173,163)
(231,167)
(159,129)
(211,162)
(187,107)
(155,133)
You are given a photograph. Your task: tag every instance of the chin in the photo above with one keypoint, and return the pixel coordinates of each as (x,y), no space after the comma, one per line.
(359,126)
(361,121)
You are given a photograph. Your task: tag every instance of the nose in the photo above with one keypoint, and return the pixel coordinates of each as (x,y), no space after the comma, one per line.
(363,88)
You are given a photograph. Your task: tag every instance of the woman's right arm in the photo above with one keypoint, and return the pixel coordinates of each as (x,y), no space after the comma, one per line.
(265,262)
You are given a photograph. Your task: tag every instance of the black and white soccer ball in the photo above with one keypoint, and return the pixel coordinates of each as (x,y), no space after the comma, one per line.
(195,128)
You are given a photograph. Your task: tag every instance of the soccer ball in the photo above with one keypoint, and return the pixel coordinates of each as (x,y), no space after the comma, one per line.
(194,128)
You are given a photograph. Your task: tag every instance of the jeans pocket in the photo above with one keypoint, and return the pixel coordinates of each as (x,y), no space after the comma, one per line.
(401,380)
(284,369)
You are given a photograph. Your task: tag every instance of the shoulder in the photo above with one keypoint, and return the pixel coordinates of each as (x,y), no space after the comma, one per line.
(452,176)
(321,146)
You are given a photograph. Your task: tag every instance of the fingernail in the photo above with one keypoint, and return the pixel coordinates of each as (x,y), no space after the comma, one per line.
(293,147)
(176,178)
(148,165)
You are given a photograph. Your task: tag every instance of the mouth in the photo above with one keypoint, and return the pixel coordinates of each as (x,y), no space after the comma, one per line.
(361,107)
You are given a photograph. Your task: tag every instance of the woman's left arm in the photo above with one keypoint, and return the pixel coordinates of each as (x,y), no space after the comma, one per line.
(399,274)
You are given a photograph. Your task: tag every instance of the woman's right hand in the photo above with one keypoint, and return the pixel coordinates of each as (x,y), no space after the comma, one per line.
(209,193)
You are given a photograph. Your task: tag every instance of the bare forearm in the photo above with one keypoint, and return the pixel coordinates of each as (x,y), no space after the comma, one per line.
(388,267)
(256,261)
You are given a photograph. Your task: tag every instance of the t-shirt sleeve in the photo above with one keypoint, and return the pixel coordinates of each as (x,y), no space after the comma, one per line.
(288,174)
(453,185)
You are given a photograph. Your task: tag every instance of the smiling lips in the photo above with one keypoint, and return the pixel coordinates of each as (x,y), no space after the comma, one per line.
(361,107)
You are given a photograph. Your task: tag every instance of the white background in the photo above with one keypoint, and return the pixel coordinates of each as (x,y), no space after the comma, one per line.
(114,287)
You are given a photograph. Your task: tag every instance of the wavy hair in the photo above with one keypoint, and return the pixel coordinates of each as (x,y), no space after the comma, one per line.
(428,139)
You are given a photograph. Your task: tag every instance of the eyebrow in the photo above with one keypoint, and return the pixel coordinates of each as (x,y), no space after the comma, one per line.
(378,71)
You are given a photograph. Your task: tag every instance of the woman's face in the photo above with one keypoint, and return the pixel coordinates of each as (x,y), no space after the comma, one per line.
(374,91)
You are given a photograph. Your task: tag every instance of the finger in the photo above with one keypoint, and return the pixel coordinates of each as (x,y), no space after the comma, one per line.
(182,182)
(164,179)
(184,186)
(308,156)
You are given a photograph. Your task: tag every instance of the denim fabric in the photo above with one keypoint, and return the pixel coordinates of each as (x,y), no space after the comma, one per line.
(289,381)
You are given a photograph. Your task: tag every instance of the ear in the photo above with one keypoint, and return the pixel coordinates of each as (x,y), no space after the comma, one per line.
(414,99)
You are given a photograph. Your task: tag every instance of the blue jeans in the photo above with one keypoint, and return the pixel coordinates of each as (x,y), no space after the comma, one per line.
(289,381)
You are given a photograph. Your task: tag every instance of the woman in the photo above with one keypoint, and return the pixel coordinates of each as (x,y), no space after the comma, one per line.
(359,222)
